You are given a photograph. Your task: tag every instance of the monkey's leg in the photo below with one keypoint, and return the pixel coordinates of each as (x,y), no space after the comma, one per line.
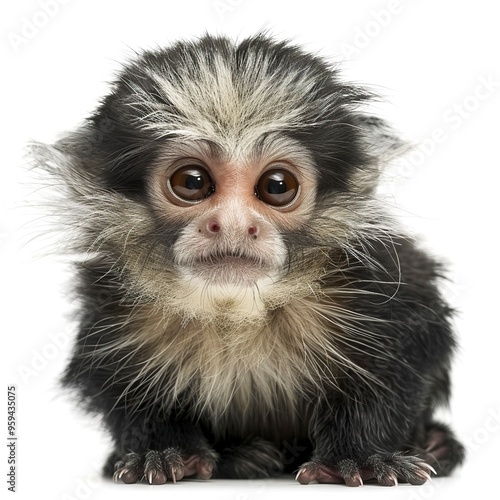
(441,454)
(357,439)
(160,451)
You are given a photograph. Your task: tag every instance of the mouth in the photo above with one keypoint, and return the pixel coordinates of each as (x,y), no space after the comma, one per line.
(230,258)
(238,268)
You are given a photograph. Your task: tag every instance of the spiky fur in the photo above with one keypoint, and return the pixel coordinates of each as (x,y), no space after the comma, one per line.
(344,345)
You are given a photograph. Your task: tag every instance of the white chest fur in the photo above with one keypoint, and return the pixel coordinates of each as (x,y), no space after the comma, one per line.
(245,367)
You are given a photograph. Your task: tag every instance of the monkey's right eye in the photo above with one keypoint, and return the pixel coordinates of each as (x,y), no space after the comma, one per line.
(191,183)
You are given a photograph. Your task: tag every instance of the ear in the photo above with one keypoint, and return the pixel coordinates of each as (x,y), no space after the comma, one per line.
(67,164)
(382,145)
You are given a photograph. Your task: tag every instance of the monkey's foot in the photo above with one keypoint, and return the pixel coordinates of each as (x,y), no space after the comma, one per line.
(159,467)
(387,470)
(442,450)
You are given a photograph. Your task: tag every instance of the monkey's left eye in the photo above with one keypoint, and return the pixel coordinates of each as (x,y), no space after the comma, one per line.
(277,188)
(191,183)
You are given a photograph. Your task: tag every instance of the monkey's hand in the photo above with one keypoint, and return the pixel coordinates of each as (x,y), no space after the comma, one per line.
(159,467)
(387,470)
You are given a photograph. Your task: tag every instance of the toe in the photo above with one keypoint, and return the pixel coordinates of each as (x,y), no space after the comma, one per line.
(127,476)
(156,477)
(354,480)
(204,469)
(130,469)
(313,471)
(388,479)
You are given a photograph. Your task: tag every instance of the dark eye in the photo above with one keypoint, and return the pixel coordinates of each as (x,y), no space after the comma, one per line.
(191,183)
(277,188)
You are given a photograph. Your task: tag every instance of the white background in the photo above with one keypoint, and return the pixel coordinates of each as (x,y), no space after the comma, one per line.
(430,61)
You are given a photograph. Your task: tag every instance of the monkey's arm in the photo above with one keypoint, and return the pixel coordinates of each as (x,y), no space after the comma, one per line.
(158,448)
(358,437)
(383,411)
(107,370)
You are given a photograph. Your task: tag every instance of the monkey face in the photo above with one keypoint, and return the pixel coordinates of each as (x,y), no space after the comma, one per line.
(233,209)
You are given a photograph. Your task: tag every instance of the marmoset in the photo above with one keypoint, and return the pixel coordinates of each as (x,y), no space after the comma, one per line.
(249,305)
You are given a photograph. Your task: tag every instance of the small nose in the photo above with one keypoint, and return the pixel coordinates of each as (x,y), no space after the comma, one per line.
(214,226)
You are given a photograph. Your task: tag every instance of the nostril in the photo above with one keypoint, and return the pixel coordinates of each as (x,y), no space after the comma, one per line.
(213,227)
